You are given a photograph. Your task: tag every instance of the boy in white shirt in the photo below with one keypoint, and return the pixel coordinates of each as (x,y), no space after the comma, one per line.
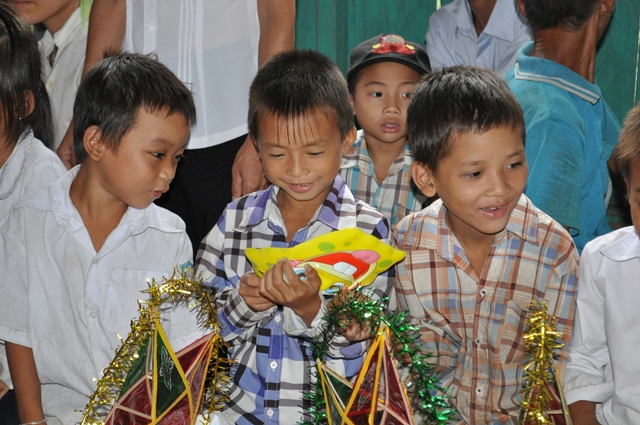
(62,50)
(602,375)
(77,254)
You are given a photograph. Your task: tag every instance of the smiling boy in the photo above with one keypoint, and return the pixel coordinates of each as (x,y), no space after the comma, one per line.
(302,122)
(382,74)
(480,254)
(78,253)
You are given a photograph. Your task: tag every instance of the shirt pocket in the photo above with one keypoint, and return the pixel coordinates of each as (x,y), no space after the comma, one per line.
(512,343)
(123,294)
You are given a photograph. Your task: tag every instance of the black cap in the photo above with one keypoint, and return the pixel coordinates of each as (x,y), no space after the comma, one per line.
(388,48)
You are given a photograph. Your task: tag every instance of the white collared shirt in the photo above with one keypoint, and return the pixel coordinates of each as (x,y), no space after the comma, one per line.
(603,365)
(212,46)
(62,79)
(452,38)
(68,302)
(30,166)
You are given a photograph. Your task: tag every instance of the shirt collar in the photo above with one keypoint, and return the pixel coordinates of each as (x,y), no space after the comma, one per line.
(623,249)
(504,11)
(359,156)
(14,166)
(533,68)
(134,221)
(68,30)
(337,210)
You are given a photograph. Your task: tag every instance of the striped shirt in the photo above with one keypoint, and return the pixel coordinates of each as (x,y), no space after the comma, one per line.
(396,196)
(474,325)
(271,348)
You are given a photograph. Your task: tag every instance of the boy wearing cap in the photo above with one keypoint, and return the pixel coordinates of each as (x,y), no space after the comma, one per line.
(382,74)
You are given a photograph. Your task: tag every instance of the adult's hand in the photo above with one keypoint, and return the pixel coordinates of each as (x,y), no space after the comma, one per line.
(65,150)
(247,171)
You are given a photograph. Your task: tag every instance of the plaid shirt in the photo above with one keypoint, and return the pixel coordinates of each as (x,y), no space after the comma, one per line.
(396,196)
(474,325)
(271,348)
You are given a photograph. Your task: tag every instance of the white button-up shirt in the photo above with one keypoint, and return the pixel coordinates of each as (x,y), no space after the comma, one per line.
(603,365)
(68,302)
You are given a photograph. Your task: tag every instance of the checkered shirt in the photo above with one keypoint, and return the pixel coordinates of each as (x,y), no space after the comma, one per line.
(474,325)
(271,348)
(396,196)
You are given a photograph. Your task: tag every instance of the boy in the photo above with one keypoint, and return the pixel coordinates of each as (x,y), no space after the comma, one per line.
(301,120)
(77,254)
(62,49)
(381,77)
(477,256)
(571,131)
(602,384)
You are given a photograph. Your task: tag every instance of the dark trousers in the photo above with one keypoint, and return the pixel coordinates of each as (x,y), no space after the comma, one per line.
(201,188)
(9,409)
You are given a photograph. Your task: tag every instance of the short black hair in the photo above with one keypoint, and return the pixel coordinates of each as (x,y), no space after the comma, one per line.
(627,152)
(454,101)
(569,14)
(117,88)
(295,83)
(21,73)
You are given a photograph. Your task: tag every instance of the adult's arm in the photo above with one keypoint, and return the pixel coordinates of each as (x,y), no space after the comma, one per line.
(106,32)
(277,33)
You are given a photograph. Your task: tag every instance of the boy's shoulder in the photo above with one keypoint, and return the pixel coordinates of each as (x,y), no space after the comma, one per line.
(420,230)
(620,245)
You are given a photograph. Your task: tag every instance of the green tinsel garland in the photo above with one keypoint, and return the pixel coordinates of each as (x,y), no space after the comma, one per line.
(422,383)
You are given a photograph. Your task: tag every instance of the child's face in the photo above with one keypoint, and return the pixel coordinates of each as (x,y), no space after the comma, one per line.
(144,164)
(633,189)
(479,181)
(302,157)
(51,13)
(380,101)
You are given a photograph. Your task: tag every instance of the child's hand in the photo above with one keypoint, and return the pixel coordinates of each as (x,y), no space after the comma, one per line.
(352,330)
(282,286)
(249,290)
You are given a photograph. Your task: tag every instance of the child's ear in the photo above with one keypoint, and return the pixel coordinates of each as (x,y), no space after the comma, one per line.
(349,140)
(30,103)
(351,102)
(93,143)
(423,178)
(521,8)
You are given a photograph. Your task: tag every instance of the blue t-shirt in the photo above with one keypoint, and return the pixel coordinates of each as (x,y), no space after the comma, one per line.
(571,133)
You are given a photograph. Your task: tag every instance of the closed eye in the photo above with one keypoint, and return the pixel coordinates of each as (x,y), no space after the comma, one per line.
(316,153)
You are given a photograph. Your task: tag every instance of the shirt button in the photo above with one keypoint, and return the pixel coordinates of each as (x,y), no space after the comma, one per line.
(274,365)
(479,390)
(93,315)
(278,319)
(478,341)
(483,292)
(150,28)
(269,413)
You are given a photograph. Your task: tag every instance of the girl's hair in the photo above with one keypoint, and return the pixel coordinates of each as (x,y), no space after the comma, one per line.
(20,75)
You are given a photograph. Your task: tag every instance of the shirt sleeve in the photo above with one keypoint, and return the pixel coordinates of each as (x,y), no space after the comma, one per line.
(437,44)
(555,153)
(235,317)
(589,375)
(14,322)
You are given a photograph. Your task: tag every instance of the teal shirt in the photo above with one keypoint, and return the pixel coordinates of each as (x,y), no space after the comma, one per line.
(571,133)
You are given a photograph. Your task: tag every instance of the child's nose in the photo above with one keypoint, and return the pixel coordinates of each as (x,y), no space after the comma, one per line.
(500,185)
(296,166)
(391,106)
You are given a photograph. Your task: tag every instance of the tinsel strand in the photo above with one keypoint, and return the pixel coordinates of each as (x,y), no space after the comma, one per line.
(356,308)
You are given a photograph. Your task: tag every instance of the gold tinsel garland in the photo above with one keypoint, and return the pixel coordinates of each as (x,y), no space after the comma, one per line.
(181,288)
(543,401)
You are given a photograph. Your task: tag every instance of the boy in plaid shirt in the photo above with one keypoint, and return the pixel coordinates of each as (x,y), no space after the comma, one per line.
(478,256)
(381,78)
(301,120)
